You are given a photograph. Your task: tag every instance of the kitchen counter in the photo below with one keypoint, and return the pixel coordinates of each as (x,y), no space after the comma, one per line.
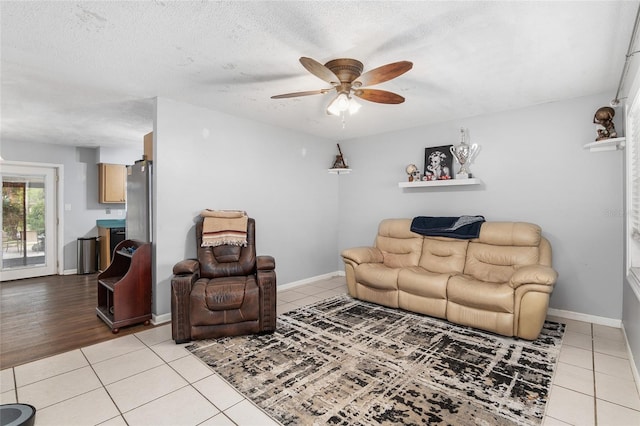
(111,223)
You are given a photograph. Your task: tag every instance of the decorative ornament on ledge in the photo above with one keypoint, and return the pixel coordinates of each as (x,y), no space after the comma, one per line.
(603,119)
(463,153)
(340,164)
(413,172)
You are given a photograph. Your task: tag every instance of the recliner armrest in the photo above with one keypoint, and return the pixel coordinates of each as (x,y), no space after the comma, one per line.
(265,263)
(181,285)
(187,266)
(361,255)
(533,274)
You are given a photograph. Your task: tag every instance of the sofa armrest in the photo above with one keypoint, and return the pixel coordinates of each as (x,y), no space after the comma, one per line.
(187,266)
(361,255)
(533,274)
(265,263)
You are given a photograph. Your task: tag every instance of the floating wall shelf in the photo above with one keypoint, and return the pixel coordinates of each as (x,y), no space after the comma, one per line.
(606,145)
(338,171)
(434,183)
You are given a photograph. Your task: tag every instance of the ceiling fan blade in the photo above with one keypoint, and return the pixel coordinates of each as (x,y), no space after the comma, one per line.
(319,70)
(383,73)
(379,96)
(307,93)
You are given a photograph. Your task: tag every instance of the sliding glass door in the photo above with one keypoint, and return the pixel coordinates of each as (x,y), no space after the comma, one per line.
(28,221)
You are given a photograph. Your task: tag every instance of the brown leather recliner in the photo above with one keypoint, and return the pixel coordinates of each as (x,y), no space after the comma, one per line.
(227,291)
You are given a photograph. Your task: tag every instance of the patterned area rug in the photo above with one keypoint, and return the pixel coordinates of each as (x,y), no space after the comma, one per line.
(346,362)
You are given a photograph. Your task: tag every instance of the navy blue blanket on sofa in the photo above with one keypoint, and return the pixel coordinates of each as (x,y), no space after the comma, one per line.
(462,227)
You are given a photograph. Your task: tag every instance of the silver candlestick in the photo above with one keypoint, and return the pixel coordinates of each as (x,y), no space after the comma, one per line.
(463,154)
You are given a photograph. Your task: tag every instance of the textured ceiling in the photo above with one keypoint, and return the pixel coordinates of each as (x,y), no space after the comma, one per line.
(85,73)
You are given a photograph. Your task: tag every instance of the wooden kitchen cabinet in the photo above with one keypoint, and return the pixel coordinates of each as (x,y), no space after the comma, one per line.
(148,146)
(112,181)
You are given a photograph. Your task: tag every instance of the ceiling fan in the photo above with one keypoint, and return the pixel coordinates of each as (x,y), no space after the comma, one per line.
(346,78)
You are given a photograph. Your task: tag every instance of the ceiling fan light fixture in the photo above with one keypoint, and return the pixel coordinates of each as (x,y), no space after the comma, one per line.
(339,104)
(333,108)
(342,103)
(346,78)
(353,106)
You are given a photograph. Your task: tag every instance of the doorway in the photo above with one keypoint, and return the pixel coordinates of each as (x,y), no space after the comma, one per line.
(29,221)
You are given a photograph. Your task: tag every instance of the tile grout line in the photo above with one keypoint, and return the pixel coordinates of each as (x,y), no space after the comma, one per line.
(190,384)
(15,384)
(121,415)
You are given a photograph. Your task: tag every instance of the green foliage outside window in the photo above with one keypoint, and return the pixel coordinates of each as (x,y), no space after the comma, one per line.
(13,210)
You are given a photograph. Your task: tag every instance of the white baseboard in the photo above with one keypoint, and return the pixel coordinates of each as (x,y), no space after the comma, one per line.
(309,280)
(160,319)
(610,322)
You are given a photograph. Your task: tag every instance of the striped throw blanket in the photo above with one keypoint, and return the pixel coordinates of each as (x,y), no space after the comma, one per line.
(222,227)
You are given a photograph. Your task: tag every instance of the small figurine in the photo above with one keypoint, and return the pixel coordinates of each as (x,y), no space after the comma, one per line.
(411,170)
(339,163)
(604,118)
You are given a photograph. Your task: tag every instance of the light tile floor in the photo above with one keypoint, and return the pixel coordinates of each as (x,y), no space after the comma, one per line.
(146,379)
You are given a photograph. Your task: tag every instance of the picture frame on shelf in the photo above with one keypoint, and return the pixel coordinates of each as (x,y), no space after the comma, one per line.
(438,163)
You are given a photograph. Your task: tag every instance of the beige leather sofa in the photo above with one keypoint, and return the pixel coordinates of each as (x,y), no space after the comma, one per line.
(500,281)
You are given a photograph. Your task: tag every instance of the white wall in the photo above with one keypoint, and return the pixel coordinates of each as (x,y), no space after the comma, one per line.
(531,162)
(206,159)
(534,169)
(80,186)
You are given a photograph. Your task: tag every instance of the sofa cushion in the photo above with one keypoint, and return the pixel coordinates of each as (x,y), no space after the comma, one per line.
(421,282)
(510,234)
(378,276)
(496,264)
(443,255)
(466,291)
(399,253)
(399,246)
(396,228)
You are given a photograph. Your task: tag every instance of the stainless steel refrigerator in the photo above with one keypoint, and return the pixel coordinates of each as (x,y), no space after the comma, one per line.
(139,193)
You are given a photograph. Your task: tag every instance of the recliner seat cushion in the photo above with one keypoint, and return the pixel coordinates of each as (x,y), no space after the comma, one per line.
(378,276)
(424,283)
(224,301)
(486,296)
(224,295)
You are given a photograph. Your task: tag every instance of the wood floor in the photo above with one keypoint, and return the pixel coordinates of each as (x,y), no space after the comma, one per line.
(45,316)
